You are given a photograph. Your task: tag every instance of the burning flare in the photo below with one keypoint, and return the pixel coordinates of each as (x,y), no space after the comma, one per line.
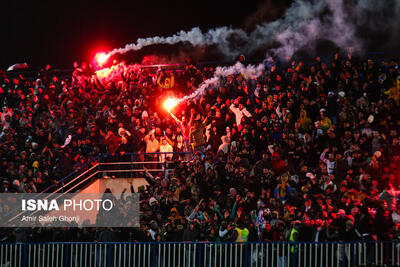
(170,103)
(101,58)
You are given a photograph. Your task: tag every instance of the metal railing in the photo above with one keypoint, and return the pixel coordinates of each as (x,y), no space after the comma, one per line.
(202,254)
(129,165)
(106,165)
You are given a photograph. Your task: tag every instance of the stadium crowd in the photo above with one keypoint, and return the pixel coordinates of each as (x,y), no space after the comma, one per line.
(307,151)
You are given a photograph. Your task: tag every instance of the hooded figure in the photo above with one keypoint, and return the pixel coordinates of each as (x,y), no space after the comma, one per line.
(304,121)
(393,92)
(174,216)
(325,122)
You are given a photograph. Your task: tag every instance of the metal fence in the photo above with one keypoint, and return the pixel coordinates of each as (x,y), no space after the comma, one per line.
(130,165)
(201,254)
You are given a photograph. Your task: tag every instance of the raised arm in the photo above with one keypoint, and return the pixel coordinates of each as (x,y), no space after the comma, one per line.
(322,157)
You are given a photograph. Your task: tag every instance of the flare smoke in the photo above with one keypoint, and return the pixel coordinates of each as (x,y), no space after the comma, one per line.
(249,72)
(304,22)
(350,23)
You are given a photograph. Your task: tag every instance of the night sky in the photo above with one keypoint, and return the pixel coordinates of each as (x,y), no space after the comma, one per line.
(58,33)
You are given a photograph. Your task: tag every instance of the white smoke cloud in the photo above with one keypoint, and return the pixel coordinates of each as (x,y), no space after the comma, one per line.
(303,23)
(344,32)
(305,26)
(299,14)
(249,72)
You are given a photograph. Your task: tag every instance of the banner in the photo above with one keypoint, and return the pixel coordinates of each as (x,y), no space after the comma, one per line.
(69,210)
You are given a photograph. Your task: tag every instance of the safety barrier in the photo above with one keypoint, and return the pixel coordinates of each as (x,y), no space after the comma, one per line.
(126,165)
(129,165)
(201,254)
(107,165)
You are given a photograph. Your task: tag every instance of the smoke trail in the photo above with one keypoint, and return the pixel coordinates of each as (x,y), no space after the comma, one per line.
(194,36)
(249,72)
(265,34)
(304,22)
(346,24)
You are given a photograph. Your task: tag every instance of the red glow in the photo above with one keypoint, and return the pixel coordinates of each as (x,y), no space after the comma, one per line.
(170,103)
(101,58)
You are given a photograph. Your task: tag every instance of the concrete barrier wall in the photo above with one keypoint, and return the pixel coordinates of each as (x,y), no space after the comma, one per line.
(116,185)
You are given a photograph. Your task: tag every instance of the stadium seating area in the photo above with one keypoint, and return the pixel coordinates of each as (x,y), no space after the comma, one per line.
(310,145)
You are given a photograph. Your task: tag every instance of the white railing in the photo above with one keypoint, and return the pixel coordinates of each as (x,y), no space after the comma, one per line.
(201,254)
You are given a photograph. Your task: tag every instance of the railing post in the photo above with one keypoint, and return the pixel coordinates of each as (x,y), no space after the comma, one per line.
(98,166)
(165,168)
(131,165)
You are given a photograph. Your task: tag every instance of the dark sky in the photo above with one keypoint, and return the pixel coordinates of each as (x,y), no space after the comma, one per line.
(55,32)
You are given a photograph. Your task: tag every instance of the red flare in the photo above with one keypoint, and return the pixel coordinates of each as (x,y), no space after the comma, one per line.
(101,58)
(170,103)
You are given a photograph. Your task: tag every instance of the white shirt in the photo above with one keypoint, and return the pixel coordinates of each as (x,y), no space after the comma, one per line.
(396,217)
(224,147)
(330,165)
(239,113)
(166,148)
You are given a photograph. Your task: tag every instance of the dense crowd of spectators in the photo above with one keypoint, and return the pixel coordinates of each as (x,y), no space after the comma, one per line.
(307,146)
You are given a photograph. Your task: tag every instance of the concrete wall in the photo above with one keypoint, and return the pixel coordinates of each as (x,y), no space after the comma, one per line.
(116,185)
